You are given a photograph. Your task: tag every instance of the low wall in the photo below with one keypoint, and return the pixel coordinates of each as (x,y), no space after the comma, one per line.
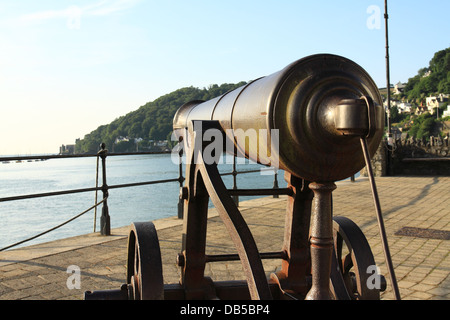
(411,157)
(379,162)
(423,167)
(421,157)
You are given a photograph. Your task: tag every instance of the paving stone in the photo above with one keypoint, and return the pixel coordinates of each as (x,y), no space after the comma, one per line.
(404,284)
(421,295)
(422,265)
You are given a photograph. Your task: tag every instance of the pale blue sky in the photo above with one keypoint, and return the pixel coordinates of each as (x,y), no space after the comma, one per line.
(67,67)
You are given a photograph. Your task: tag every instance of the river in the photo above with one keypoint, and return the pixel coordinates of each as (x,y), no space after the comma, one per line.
(23,219)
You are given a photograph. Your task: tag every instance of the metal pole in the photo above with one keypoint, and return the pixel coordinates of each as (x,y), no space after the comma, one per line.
(105,223)
(96,193)
(180,180)
(381,227)
(390,140)
(388,81)
(275,181)
(234,173)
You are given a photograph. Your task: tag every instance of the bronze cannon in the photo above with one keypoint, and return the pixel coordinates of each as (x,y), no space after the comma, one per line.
(319,119)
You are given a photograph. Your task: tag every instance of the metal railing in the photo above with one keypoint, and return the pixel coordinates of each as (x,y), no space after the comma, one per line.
(105,223)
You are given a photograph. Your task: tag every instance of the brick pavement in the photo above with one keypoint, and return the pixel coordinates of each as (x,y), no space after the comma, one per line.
(422,265)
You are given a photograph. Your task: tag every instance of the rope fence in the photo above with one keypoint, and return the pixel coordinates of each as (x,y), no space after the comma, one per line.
(54,228)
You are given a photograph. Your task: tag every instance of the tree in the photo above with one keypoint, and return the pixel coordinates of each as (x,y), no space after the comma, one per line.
(152,121)
(395,114)
(422,126)
(437,81)
(425,128)
(135,130)
(444,84)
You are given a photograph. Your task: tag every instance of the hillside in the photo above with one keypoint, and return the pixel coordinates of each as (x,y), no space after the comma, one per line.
(425,120)
(151,122)
(430,80)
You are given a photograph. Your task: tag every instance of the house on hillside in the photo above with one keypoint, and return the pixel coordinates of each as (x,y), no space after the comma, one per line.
(121,139)
(447,112)
(437,101)
(67,149)
(404,107)
(421,109)
(399,87)
(392,103)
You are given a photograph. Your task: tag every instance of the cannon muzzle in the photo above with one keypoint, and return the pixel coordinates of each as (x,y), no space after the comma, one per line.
(308,118)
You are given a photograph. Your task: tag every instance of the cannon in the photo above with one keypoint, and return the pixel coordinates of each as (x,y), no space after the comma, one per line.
(319,119)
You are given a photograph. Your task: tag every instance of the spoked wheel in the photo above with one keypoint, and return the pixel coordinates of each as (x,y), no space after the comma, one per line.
(353,263)
(144,269)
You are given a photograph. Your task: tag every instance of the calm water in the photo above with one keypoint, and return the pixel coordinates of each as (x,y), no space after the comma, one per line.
(23,219)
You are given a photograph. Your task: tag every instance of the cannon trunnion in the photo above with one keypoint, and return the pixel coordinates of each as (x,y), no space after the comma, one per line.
(319,119)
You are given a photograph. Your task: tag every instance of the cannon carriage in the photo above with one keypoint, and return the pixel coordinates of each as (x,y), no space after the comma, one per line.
(320,120)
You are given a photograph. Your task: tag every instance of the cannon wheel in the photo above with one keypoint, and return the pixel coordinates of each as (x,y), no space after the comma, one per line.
(144,266)
(351,260)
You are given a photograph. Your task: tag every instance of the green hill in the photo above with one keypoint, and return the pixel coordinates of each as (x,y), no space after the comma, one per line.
(430,80)
(151,122)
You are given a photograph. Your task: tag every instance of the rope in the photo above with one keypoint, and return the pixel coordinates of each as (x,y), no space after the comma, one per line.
(54,228)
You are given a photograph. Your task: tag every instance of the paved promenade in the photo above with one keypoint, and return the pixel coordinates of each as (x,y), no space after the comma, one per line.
(416,213)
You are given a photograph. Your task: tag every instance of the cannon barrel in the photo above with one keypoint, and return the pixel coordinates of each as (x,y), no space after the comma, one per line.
(320,119)
(318,107)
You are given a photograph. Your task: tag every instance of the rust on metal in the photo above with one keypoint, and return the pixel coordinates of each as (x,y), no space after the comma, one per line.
(301,102)
(317,109)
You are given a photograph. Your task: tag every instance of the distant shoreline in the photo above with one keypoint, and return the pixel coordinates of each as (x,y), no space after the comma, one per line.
(84,155)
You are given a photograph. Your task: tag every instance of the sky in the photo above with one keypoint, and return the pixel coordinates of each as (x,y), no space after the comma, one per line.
(67,67)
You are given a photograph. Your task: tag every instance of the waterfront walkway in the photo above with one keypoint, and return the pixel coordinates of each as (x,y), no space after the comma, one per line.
(416,213)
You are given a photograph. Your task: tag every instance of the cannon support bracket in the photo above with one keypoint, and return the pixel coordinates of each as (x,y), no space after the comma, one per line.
(308,255)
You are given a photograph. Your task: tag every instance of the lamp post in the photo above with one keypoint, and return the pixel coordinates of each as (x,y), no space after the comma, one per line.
(388,81)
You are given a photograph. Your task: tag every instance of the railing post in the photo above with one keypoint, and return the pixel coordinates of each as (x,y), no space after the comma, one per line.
(105,223)
(275,181)
(234,173)
(180,180)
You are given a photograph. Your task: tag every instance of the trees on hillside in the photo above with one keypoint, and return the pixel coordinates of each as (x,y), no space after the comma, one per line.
(433,79)
(422,126)
(152,121)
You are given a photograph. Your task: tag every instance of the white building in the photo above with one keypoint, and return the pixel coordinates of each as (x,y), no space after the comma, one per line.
(433,102)
(399,87)
(404,107)
(121,139)
(446,112)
